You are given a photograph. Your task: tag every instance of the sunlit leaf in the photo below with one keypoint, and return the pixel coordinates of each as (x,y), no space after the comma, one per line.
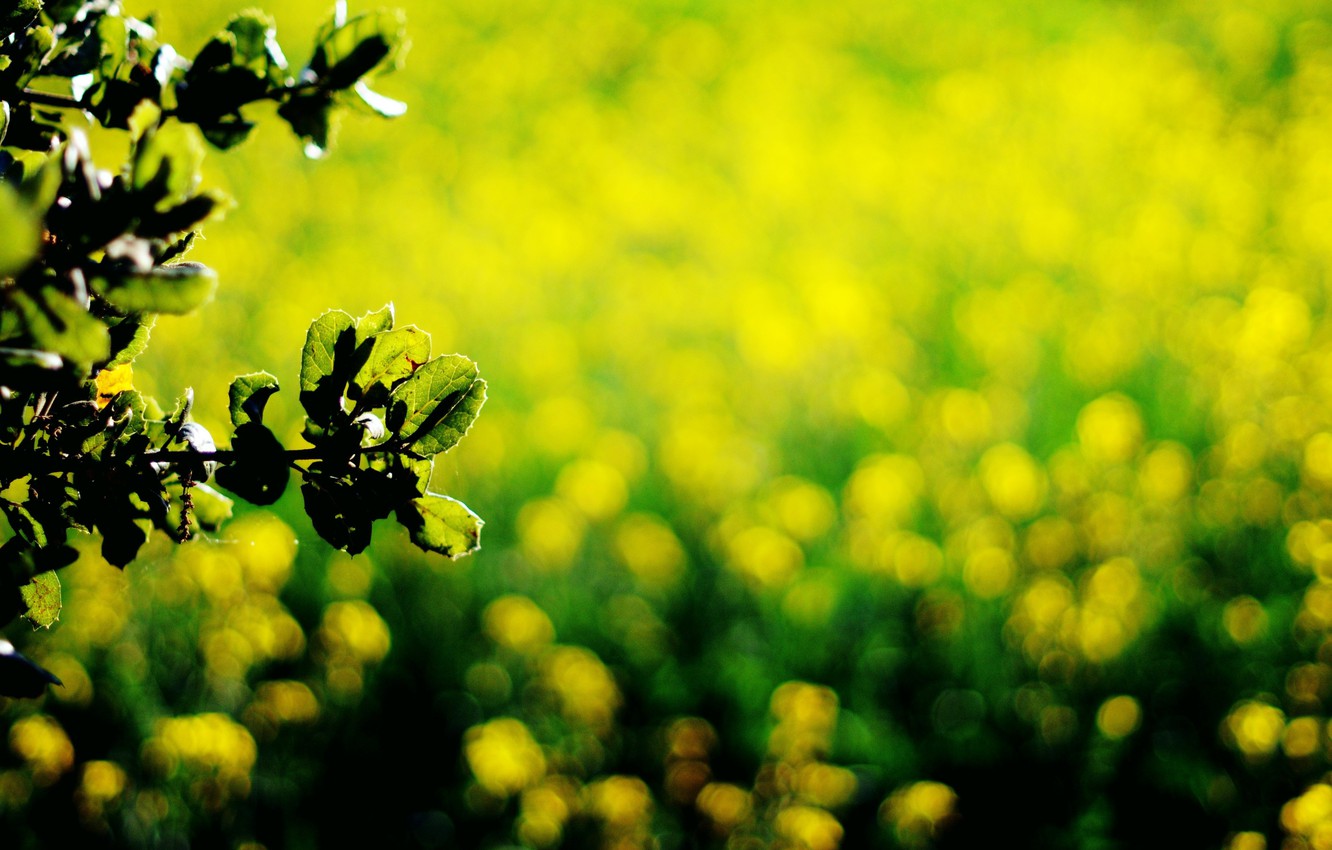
(180,288)
(249,394)
(41,597)
(441,524)
(392,355)
(21,235)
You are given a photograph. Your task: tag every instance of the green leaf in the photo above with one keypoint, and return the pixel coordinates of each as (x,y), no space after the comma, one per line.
(248,395)
(20,237)
(434,408)
(256,44)
(392,355)
(57,323)
(41,598)
(166,165)
(129,338)
(19,16)
(330,345)
(374,41)
(375,322)
(441,524)
(326,344)
(178,289)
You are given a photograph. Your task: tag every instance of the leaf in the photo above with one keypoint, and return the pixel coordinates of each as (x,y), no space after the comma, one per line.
(248,395)
(344,53)
(415,403)
(19,16)
(256,44)
(258,472)
(176,289)
(326,358)
(310,115)
(166,165)
(20,236)
(323,343)
(338,513)
(432,410)
(41,597)
(112,381)
(448,431)
(376,322)
(441,524)
(392,355)
(57,323)
(129,338)
(20,677)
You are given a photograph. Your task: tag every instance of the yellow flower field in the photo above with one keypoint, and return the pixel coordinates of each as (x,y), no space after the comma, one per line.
(908,424)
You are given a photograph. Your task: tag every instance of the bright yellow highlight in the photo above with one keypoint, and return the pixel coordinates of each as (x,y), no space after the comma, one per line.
(265,546)
(824,785)
(917,812)
(596,489)
(1254,728)
(726,805)
(1302,737)
(1110,429)
(648,547)
(806,718)
(503,756)
(884,490)
(1118,717)
(764,556)
(544,810)
(516,623)
(44,747)
(1310,815)
(550,532)
(586,690)
(801,508)
(212,746)
(1247,841)
(1244,620)
(111,382)
(809,828)
(1013,480)
(354,627)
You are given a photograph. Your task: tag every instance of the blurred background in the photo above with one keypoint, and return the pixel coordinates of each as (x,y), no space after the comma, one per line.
(909,425)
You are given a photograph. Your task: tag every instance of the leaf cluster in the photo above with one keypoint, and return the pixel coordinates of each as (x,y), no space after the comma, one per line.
(89,258)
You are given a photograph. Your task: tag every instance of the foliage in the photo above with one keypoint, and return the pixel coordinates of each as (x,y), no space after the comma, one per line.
(90,258)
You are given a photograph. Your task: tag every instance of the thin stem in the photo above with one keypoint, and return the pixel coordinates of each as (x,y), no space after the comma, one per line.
(289,455)
(42,98)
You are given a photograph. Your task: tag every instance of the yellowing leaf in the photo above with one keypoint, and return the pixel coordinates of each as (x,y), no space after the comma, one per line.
(113,381)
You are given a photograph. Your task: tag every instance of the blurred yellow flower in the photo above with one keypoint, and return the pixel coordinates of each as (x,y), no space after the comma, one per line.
(515,622)
(1254,728)
(41,742)
(503,756)
(917,812)
(809,828)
